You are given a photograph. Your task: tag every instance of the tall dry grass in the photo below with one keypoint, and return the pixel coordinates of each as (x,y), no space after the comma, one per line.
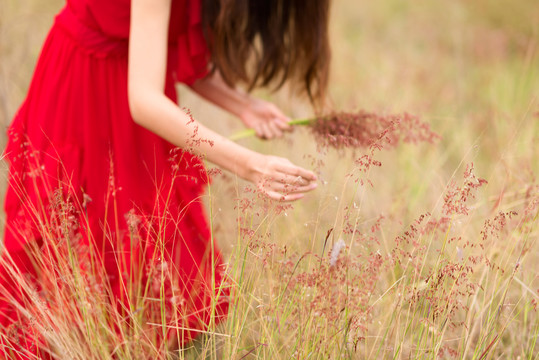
(425,256)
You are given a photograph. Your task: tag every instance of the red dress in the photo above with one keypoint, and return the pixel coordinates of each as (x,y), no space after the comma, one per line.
(127,197)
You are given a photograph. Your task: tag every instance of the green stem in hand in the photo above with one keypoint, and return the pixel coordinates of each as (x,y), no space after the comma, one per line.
(251,132)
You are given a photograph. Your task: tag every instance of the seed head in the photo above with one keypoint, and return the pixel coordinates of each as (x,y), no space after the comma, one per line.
(366,129)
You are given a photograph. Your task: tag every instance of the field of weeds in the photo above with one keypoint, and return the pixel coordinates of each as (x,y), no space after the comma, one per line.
(413,246)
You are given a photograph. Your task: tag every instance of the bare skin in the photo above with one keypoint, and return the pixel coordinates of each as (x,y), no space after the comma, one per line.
(277,177)
(262,116)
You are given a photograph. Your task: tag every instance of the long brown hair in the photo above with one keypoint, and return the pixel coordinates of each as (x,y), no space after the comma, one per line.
(286,39)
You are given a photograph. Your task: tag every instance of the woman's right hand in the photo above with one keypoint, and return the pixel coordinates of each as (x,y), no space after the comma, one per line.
(279,179)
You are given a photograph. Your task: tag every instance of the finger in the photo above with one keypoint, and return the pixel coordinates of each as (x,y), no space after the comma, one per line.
(283,178)
(276,131)
(258,131)
(283,198)
(282,122)
(290,169)
(279,118)
(266,131)
(281,181)
(294,180)
(293,189)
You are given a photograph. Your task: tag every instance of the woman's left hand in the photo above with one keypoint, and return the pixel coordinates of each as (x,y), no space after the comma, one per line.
(265,118)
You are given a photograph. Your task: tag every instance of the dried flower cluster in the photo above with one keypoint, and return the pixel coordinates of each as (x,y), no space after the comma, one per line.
(362,129)
(456,198)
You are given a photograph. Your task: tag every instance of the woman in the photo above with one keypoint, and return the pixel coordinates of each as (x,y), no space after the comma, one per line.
(97,151)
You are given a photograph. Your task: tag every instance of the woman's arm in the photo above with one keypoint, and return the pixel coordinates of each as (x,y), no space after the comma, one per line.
(150,108)
(262,116)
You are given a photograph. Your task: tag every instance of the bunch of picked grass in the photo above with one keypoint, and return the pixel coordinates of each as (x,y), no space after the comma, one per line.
(361,129)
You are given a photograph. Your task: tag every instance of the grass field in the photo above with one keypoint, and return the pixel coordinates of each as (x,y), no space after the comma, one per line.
(417,258)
